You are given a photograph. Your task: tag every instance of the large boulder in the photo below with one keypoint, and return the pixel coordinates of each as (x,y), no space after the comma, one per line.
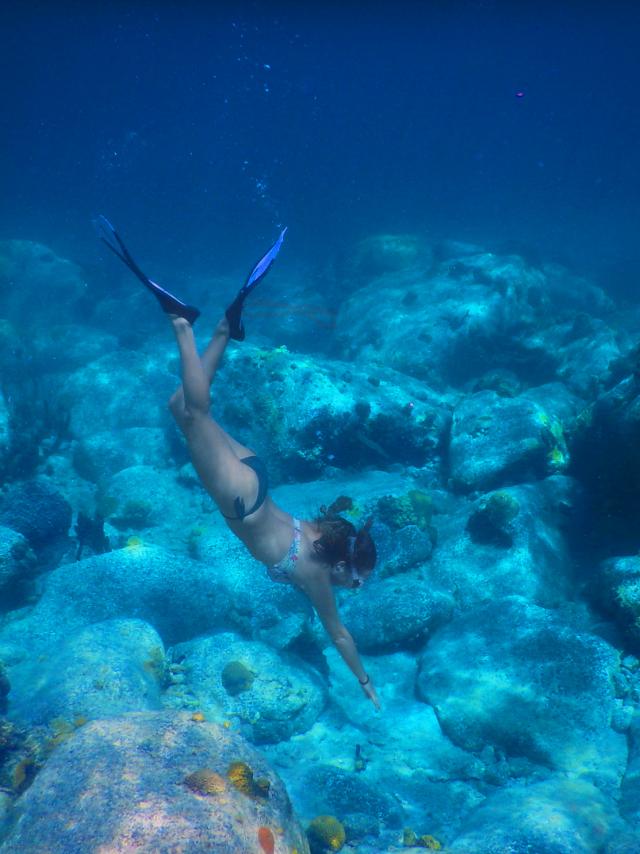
(17,560)
(35,283)
(496,441)
(511,541)
(156,783)
(271,696)
(517,678)
(39,512)
(122,389)
(179,597)
(308,414)
(98,456)
(471,312)
(557,816)
(617,586)
(606,458)
(394,613)
(101,671)
(136,498)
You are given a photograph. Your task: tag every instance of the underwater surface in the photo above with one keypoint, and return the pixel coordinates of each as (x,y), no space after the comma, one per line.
(448,343)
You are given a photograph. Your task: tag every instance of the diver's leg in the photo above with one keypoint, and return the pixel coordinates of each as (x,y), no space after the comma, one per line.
(209,361)
(215,349)
(212,450)
(195,383)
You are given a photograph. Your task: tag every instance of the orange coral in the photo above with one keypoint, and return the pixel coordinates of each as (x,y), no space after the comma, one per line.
(266,840)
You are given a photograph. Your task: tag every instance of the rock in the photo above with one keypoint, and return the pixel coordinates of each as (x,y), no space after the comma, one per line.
(468,315)
(104,670)
(412,547)
(66,347)
(619,581)
(99,456)
(17,560)
(377,254)
(530,557)
(28,270)
(345,415)
(606,458)
(400,612)
(630,789)
(279,698)
(496,441)
(38,512)
(515,677)
(475,312)
(5,687)
(332,789)
(137,498)
(99,395)
(180,597)
(120,784)
(557,816)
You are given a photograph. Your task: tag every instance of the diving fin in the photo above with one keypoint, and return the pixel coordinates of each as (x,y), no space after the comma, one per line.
(257,274)
(168,302)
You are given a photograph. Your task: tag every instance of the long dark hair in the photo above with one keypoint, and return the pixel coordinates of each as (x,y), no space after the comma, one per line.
(339,540)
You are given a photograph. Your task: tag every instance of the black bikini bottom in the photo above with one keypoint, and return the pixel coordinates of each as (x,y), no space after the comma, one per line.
(260,469)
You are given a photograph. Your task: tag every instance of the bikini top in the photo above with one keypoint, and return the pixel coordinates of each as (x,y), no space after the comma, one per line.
(283,570)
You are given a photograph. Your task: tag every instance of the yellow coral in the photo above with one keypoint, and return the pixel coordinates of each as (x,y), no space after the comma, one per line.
(241,776)
(409,837)
(198,717)
(556,457)
(325,831)
(205,782)
(429,842)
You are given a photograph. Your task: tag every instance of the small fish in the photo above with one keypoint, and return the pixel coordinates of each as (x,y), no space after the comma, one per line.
(266,840)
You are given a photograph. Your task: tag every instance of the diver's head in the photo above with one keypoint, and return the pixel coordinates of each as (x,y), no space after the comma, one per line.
(350,554)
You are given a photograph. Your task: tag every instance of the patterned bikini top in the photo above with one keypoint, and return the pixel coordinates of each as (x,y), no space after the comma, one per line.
(283,570)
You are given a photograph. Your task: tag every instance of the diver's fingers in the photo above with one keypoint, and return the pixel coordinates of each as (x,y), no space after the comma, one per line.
(370,692)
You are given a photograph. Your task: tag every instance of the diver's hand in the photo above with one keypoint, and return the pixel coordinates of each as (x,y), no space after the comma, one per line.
(370,692)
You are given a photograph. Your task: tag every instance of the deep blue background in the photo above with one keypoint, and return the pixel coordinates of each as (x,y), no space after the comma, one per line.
(200,130)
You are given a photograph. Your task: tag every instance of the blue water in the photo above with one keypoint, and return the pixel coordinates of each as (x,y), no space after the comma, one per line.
(205,126)
(448,345)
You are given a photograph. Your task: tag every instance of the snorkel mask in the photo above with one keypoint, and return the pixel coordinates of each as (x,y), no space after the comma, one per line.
(356,578)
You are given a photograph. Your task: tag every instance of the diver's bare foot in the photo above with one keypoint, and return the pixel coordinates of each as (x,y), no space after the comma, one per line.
(179,323)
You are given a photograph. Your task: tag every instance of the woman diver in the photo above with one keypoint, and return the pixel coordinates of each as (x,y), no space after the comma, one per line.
(314,556)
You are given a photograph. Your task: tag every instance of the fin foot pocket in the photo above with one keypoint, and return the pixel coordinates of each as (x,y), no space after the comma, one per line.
(257,274)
